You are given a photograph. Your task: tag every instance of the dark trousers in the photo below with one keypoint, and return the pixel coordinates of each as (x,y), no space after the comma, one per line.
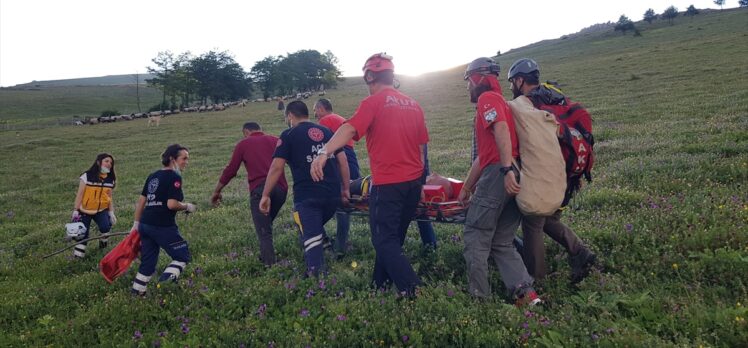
(426,230)
(312,216)
(264,223)
(391,207)
(102,220)
(153,239)
(344,219)
(533,228)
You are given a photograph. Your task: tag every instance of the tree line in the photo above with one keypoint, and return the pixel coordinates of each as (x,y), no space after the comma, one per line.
(304,70)
(625,24)
(216,77)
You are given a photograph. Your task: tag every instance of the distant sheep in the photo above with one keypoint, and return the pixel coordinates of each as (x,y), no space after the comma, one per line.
(154,119)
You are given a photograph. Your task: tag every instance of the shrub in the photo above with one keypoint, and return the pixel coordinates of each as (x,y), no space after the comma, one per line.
(106,113)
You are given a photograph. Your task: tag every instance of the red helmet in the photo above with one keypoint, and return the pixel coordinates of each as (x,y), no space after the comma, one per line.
(379,62)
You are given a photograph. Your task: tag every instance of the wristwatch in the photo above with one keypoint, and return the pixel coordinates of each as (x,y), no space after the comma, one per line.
(505,170)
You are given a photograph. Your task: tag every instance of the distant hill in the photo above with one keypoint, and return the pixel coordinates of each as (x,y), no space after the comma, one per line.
(109,80)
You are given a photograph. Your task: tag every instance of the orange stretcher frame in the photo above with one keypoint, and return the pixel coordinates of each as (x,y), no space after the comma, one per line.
(450,212)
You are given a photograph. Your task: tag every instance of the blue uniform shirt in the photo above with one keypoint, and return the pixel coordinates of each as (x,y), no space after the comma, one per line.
(299,146)
(161,186)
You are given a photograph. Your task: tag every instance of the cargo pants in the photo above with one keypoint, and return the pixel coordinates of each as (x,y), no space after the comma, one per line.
(490,225)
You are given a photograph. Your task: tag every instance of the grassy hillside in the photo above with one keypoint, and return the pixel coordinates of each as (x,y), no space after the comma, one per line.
(40,105)
(109,80)
(667,214)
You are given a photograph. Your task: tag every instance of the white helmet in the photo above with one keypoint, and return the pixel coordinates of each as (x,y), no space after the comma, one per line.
(75,230)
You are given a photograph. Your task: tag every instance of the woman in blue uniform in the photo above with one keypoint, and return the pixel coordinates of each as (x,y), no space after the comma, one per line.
(155,220)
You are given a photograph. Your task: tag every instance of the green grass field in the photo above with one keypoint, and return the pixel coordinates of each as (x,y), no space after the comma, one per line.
(45,105)
(667,215)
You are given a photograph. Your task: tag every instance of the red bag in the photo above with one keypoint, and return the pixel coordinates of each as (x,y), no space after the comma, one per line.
(118,261)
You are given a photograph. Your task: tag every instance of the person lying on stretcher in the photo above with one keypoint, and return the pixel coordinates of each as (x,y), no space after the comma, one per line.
(438,201)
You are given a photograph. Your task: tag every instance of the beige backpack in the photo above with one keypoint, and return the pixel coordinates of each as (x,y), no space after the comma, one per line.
(543,170)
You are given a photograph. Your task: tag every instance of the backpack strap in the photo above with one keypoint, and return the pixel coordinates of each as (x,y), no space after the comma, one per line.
(571,111)
(585,133)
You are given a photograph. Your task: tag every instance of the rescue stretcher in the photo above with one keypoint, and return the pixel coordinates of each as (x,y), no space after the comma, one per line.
(439,204)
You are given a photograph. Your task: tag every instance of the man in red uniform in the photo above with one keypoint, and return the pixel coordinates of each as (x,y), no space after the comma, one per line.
(493,216)
(256,152)
(324,113)
(395,131)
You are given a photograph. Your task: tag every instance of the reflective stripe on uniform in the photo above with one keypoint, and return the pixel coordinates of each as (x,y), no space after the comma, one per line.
(310,243)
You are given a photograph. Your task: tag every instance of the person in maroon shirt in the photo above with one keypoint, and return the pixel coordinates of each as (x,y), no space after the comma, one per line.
(256,152)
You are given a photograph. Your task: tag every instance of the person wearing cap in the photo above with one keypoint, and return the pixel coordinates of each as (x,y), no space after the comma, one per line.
(524,78)
(256,152)
(315,201)
(491,184)
(395,130)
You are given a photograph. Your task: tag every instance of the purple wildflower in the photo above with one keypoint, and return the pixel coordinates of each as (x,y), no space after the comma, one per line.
(262,310)
(204,288)
(309,293)
(322,284)
(137,335)
(529,314)
(525,325)
(161,334)
(455,238)
(610,330)
(450,293)
(629,227)
(341,317)
(405,338)
(304,313)
(185,328)
(594,337)
(156,343)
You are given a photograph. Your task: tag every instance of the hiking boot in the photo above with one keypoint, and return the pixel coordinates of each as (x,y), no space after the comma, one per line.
(581,263)
(530,298)
(167,277)
(327,243)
